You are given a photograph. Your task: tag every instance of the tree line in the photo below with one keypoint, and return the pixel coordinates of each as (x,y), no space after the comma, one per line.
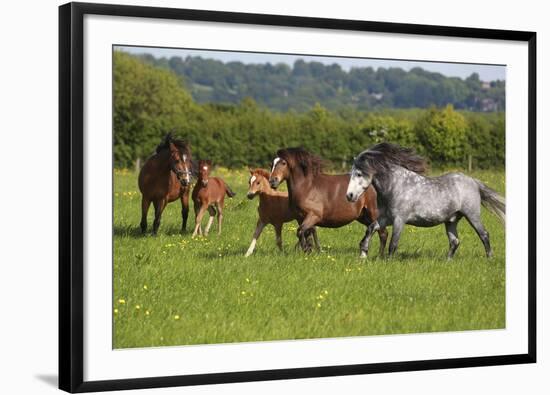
(150,101)
(282,87)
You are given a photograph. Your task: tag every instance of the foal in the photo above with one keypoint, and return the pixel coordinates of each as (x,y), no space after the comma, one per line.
(273,208)
(209,194)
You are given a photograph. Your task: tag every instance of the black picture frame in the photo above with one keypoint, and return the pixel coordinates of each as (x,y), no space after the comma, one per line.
(71,197)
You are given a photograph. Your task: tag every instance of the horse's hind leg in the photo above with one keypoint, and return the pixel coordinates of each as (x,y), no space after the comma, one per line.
(159,208)
(315,239)
(383,236)
(220,216)
(212,213)
(398,225)
(452,234)
(145,203)
(475,221)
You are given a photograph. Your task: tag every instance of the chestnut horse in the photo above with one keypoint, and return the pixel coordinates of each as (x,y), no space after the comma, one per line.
(273,208)
(209,194)
(164,178)
(319,199)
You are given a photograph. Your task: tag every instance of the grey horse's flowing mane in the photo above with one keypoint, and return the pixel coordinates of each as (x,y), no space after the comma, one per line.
(381,156)
(182,145)
(308,162)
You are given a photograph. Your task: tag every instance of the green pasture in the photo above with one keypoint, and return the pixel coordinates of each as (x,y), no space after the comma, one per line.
(175,290)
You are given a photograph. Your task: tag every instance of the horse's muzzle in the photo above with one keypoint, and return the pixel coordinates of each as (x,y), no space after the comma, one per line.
(250,195)
(351,197)
(183,182)
(274,182)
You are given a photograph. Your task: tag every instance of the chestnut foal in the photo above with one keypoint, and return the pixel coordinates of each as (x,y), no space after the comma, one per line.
(273,209)
(209,194)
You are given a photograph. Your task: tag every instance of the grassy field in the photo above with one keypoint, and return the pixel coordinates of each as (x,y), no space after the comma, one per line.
(174,290)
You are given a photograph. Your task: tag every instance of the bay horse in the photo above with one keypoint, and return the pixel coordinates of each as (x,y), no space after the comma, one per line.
(209,194)
(273,209)
(319,199)
(411,198)
(164,178)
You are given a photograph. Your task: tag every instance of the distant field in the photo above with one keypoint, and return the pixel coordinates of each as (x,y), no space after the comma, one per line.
(174,290)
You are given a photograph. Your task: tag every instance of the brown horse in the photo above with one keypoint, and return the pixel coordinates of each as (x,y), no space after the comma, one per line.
(273,208)
(320,199)
(164,178)
(209,194)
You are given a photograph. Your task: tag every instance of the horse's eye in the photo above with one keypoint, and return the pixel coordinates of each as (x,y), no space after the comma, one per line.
(257,182)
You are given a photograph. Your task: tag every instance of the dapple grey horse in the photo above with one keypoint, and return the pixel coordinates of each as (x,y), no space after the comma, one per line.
(406,196)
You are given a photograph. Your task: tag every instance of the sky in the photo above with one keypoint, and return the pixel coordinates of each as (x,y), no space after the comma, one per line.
(462,70)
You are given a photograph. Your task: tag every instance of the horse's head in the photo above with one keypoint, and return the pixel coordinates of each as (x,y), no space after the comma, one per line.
(280,170)
(360,179)
(257,182)
(180,164)
(204,171)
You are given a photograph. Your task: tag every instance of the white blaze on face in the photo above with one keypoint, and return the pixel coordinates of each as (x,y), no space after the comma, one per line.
(205,167)
(252,179)
(358,183)
(275,161)
(187,176)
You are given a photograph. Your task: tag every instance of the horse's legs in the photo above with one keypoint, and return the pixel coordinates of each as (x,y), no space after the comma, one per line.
(383,236)
(184,210)
(475,220)
(364,244)
(219,206)
(452,234)
(398,225)
(278,236)
(305,230)
(145,203)
(257,232)
(198,219)
(212,213)
(159,208)
(315,239)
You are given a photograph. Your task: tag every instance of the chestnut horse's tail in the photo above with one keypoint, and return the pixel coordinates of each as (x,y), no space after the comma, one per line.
(228,190)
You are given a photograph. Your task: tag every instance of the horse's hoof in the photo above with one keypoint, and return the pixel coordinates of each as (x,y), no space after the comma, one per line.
(363,255)
(248,253)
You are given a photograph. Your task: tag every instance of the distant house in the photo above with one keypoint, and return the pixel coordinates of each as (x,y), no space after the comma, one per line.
(377,96)
(488,105)
(485,85)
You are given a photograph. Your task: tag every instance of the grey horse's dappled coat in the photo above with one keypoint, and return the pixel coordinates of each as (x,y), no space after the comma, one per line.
(406,196)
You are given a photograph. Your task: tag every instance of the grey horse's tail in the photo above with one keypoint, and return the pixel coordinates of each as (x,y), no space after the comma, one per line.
(492,201)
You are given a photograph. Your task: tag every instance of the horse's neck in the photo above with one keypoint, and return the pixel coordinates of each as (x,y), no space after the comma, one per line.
(390,182)
(297,183)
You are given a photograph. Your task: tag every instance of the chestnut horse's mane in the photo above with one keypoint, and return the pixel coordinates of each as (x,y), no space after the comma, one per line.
(308,162)
(261,172)
(182,145)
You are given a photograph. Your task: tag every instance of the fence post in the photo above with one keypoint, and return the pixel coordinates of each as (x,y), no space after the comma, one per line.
(469,163)
(138,165)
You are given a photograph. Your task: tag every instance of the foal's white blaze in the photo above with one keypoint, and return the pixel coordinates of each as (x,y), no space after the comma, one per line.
(205,167)
(275,161)
(252,179)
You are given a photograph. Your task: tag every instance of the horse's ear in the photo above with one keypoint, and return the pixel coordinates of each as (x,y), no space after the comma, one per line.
(209,162)
(250,170)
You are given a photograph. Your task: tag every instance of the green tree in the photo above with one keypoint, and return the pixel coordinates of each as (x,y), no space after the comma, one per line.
(442,135)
